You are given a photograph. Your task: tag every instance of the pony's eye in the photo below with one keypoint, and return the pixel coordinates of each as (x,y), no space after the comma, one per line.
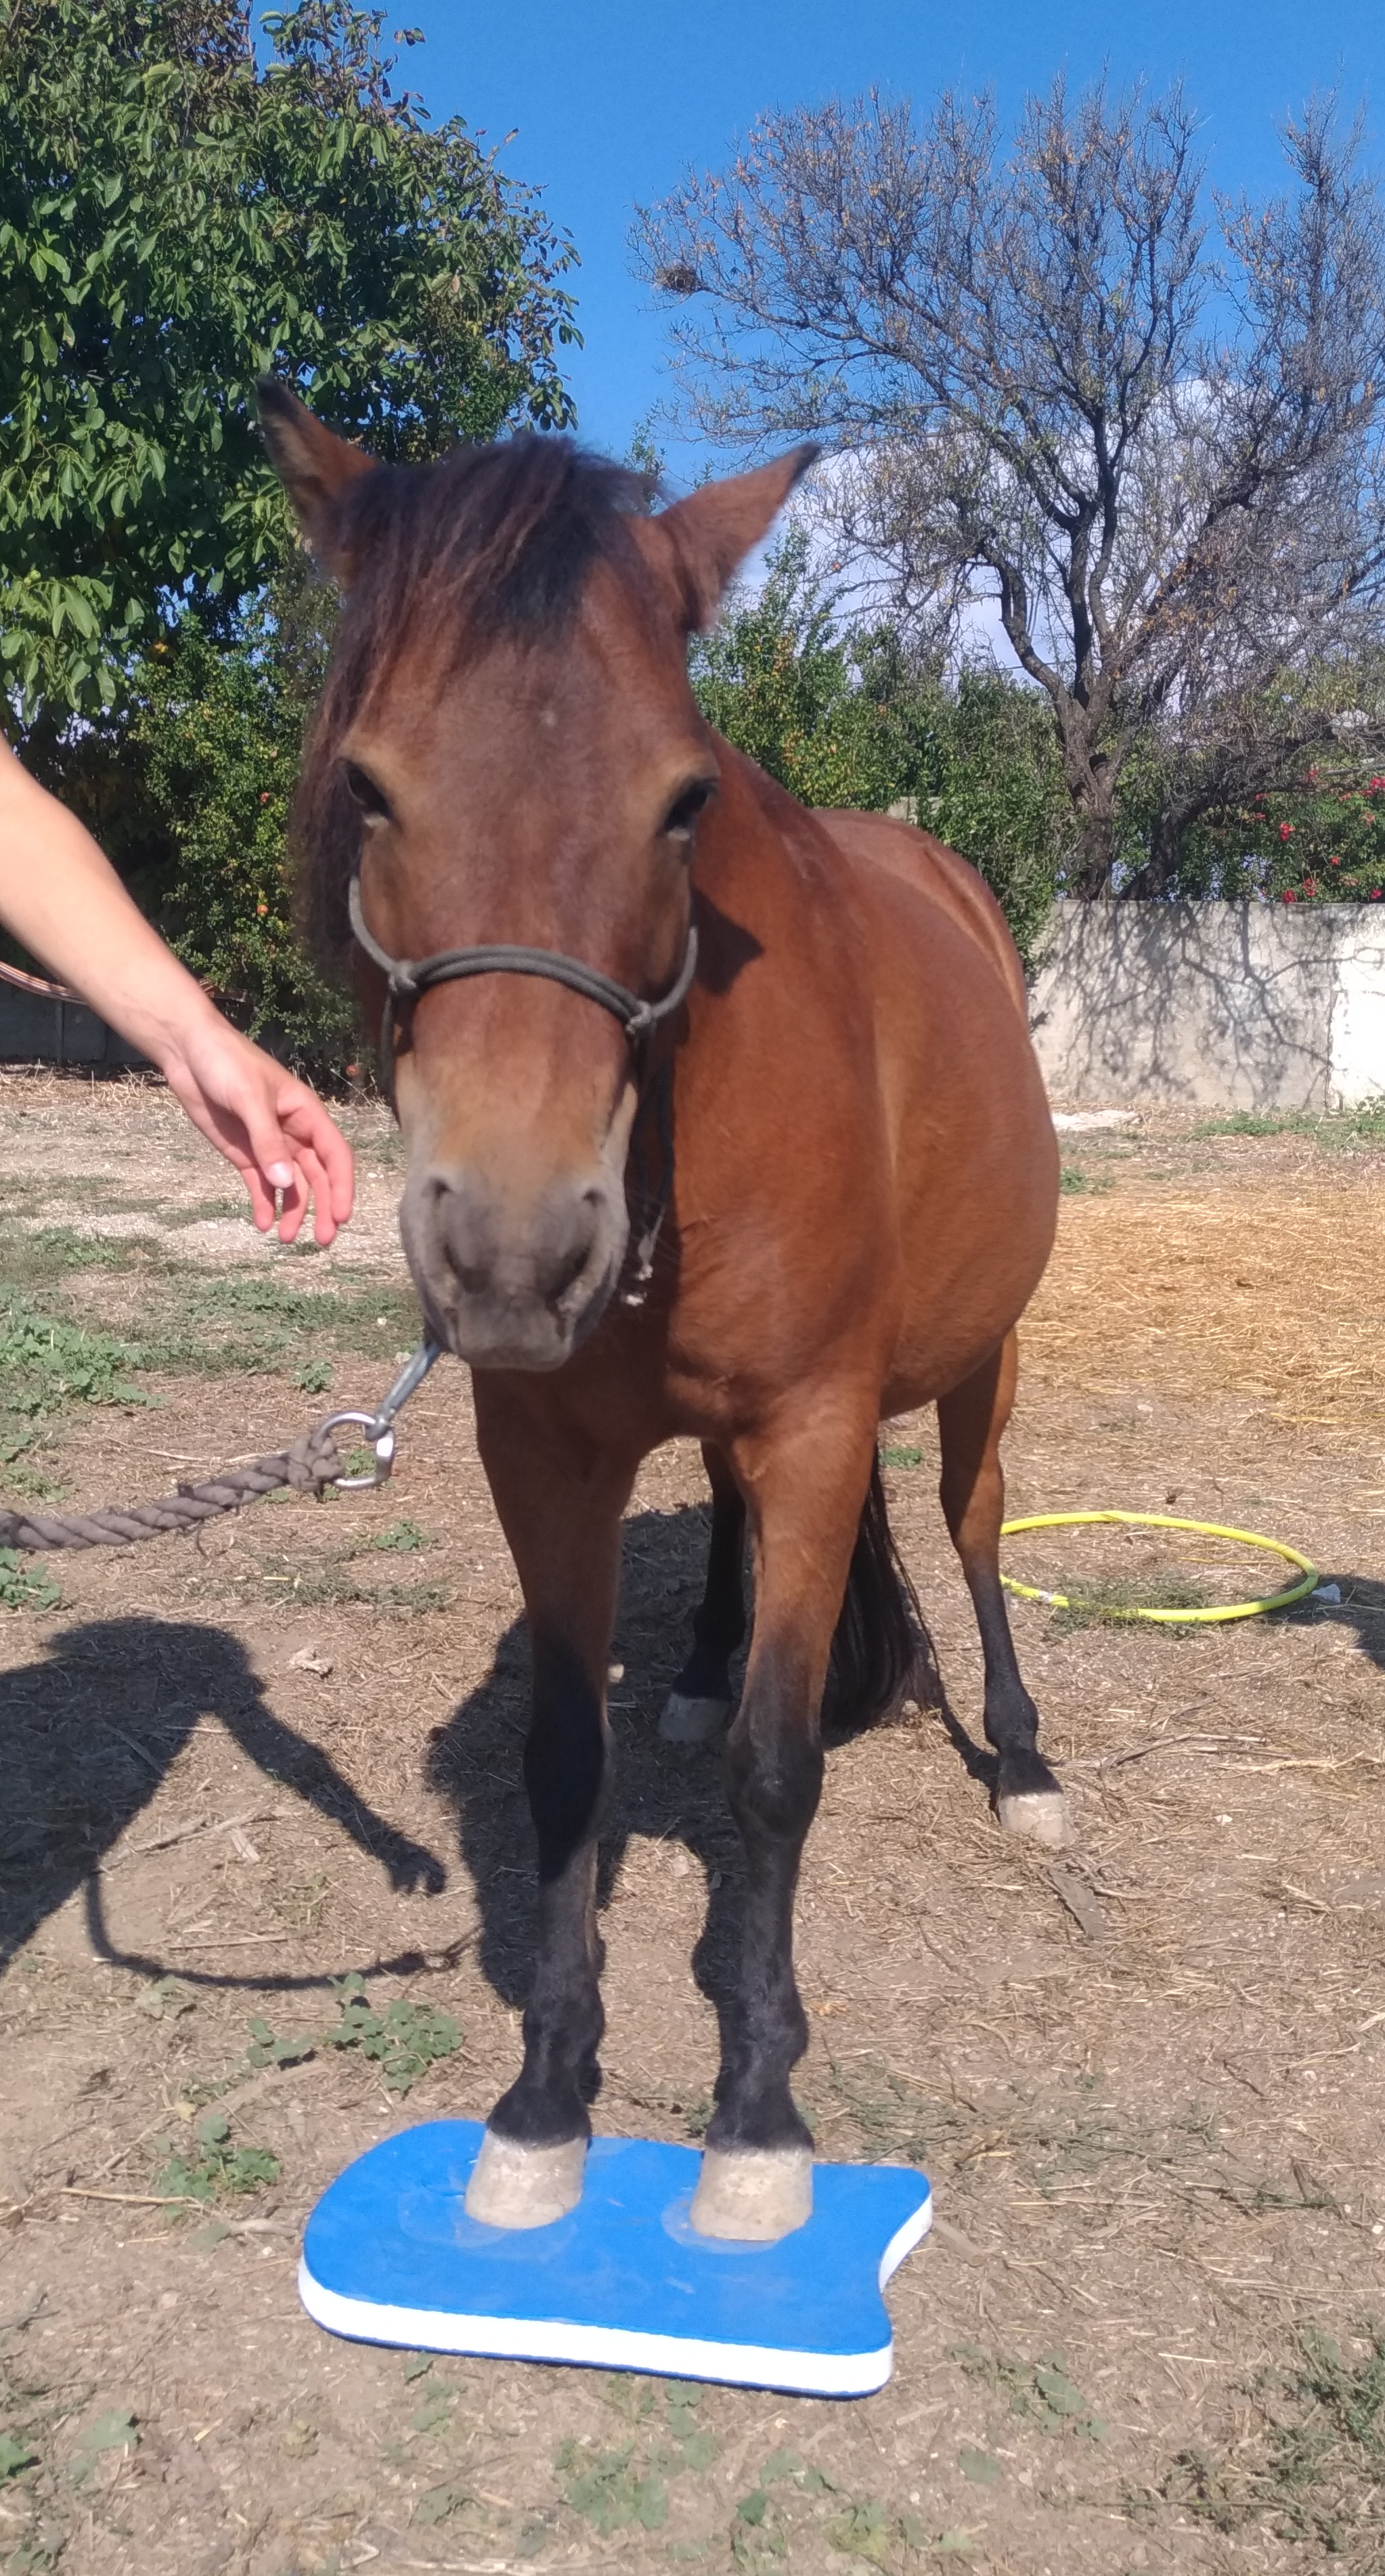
(684,811)
(361,788)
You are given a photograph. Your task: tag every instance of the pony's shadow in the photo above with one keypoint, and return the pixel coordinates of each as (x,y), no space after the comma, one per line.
(664,1792)
(89,1736)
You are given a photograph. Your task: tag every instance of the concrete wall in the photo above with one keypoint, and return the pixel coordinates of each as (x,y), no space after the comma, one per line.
(39,1028)
(1215,1005)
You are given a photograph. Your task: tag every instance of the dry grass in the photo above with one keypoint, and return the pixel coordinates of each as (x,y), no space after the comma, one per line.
(1265,1291)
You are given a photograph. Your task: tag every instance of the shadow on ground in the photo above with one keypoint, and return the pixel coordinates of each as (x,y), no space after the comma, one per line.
(90,1734)
(664,1792)
(1361,1609)
(93,1729)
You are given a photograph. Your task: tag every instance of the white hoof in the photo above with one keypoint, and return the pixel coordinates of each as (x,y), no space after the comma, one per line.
(757,2196)
(693,1721)
(517,2186)
(1041,1816)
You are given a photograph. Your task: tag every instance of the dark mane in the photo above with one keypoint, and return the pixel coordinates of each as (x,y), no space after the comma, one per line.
(492,542)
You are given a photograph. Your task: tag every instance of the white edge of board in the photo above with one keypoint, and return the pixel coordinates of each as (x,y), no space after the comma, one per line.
(737,2365)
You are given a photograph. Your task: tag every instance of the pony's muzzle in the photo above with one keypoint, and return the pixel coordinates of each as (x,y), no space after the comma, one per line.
(512,1282)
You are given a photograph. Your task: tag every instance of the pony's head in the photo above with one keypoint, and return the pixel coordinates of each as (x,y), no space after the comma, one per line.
(508,750)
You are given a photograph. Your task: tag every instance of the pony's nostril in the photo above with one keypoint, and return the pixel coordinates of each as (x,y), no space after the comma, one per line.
(566,1272)
(541,1250)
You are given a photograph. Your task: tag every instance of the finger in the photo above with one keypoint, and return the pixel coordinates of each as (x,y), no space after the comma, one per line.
(319,1182)
(293,1206)
(307,1122)
(262,1207)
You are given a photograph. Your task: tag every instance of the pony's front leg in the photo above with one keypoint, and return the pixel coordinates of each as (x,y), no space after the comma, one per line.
(561,1512)
(804,1493)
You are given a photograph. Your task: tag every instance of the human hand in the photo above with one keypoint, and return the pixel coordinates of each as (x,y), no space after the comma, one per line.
(267,1123)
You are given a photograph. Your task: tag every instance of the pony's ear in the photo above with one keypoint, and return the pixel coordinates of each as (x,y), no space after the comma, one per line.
(314,466)
(713,531)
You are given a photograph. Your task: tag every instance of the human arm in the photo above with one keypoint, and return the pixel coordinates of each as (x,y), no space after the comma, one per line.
(63,899)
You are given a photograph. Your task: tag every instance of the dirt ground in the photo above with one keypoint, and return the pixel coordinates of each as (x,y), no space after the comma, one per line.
(1148,2332)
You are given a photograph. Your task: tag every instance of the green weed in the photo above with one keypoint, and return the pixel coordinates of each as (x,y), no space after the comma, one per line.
(28,1481)
(25,1583)
(314,1377)
(45,1364)
(267,2050)
(1098,1602)
(15,2454)
(164,1999)
(1072,1181)
(216,2170)
(895,1456)
(439,2502)
(1255,1122)
(403,1537)
(1039,2391)
(115,2430)
(611,2488)
(767,2523)
(403,2041)
(1334,1133)
(314,1585)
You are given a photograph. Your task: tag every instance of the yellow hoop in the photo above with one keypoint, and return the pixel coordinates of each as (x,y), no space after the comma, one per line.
(1161,1520)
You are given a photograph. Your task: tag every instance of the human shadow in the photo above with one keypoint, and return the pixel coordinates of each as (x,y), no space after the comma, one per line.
(667,1793)
(89,1736)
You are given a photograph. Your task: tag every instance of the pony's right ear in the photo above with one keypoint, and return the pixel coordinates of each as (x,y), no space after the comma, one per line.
(315,467)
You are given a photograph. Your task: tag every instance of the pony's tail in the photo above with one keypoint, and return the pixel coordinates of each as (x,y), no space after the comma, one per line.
(881,1648)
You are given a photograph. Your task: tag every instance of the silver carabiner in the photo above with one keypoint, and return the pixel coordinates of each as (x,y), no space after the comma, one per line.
(378,1427)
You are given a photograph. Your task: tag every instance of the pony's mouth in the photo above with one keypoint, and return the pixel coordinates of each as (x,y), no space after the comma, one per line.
(509,1286)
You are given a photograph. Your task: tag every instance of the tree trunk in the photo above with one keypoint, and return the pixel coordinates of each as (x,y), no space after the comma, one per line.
(1090,776)
(1095,857)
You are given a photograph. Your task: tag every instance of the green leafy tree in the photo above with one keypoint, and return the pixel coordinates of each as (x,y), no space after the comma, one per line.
(176,217)
(214,736)
(843,714)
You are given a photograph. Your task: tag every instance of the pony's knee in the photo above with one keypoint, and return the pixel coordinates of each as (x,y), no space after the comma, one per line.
(774,1778)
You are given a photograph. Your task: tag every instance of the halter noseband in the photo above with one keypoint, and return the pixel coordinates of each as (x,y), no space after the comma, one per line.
(409,976)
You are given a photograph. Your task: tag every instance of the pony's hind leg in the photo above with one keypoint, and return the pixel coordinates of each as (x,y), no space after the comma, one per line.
(561,1516)
(805,1492)
(699,1704)
(971,1422)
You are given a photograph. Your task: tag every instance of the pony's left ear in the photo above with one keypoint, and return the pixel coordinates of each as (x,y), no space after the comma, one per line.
(712,532)
(315,467)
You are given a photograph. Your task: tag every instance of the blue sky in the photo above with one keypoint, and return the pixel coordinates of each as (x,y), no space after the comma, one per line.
(611,100)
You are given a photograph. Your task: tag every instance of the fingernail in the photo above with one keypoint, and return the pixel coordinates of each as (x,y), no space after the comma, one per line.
(281,1174)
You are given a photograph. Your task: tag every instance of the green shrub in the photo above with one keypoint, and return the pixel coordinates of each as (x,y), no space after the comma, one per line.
(844,715)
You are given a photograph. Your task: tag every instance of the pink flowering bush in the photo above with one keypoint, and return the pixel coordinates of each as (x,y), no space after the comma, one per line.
(1321,843)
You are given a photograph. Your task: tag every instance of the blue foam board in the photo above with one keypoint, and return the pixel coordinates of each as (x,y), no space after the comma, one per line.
(623,2282)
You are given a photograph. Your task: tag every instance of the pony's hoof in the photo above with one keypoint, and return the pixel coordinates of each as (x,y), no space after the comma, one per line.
(757,2195)
(693,1721)
(517,2186)
(1039,1815)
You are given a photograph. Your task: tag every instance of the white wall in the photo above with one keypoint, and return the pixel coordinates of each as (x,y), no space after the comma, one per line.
(1212,1005)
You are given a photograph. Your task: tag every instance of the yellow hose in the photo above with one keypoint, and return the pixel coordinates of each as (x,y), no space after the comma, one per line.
(1161,1520)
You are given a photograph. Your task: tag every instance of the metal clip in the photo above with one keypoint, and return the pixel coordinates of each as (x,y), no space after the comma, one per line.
(378,1427)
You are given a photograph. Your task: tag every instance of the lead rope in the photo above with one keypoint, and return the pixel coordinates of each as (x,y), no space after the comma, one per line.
(312,1463)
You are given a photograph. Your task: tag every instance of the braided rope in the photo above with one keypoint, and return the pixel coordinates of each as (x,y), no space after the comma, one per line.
(312,1462)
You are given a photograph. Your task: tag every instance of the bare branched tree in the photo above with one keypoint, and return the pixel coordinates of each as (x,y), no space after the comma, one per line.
(1154,437)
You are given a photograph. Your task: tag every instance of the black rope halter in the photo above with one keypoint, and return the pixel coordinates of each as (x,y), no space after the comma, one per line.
(408,977)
